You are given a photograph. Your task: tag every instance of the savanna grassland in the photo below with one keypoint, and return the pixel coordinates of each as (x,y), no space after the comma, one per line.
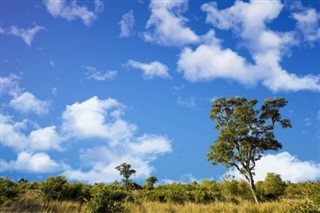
(56,194)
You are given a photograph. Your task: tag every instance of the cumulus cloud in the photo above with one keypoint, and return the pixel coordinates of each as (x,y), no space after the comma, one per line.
(166,25)
(288,166)
(93,73)
(27,35)
(16,135)
(210,61)
(72,11)
(26,102)
(34,163)
(45,139)
(96,118)
(308,24)
(150,70)
(126,25)
(248,20)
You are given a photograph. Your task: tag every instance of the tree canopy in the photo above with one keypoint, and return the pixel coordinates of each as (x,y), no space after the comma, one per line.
(245,133)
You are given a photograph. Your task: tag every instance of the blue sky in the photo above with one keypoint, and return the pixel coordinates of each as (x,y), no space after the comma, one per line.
(87,85)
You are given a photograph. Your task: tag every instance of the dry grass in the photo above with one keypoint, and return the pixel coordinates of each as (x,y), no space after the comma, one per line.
(31,203)
(216,207)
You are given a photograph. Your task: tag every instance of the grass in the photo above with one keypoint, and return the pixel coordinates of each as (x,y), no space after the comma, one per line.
(30,202)
(216,207)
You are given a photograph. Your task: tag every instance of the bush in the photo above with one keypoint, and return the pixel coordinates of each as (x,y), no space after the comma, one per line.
(312,204)
(76,192)
(271,188)
(102,200)
(54,188)
(8,189)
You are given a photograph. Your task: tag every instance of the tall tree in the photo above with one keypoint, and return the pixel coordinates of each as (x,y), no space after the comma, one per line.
(245,133)
(126,171)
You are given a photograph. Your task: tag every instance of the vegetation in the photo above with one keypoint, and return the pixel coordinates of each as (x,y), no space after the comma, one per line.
(245,133)
(56,194)
(126,171)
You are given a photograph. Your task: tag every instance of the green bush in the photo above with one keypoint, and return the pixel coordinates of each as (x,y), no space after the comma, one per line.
(8,189)
(271,188)
(102,201)
(312,204)
(54,188)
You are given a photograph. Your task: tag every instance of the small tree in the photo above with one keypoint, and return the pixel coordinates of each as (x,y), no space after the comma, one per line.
(126,171)
(273,186)
(150,181)
(245,133)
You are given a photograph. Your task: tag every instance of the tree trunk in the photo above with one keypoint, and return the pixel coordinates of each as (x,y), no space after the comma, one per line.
(253,188)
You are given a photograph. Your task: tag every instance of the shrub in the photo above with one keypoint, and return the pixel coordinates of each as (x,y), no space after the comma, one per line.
(312,204)
(54,188)
(8,189)
(102,200)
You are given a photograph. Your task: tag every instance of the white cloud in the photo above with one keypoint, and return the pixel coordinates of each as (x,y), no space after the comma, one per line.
(308,23)
(150,70)
(27,35)
(14,134)
(167,26)
(248,21)
(26,102)
(72,11)
(106,172)
(83,121)
(103,160)
(126,25)
(210,61)
(95,118)
(45,139)
(11,133)
(23,101)
(93,73)
(187,102)
(34,163)
(150,145)
(289,167)
(10,85)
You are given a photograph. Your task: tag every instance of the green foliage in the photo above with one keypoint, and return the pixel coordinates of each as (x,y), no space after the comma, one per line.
(312,204)
(182,193)
(77,192)
(245,133)
(64,196)
(8,189)
(273,187)
(103,200)
(294,190)
(54,188)
(150,181)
